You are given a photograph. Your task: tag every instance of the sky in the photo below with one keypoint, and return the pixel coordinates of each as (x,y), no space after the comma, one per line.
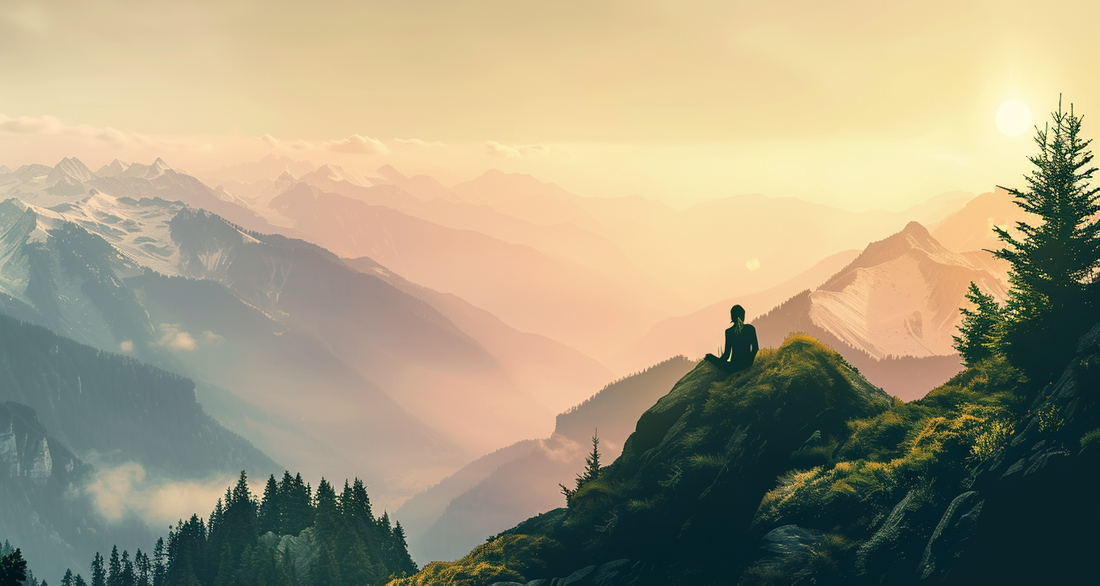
(856,103)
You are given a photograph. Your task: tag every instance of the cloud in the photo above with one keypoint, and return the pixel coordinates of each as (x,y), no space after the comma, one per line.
(514,151)
(356,144)
(298,145)
(418,143)
(210,338)
(127,490)
(31,125)
(173,337)
(51,126)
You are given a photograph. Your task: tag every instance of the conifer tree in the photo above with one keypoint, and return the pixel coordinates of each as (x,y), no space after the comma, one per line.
(160,558)
(13,568)
(1053,262)
(328,514)
(67,579)
(99,575)
(142,569)
(979,328)
(114,569)
(403,562)
(591,469)
(126,576)
(269,508)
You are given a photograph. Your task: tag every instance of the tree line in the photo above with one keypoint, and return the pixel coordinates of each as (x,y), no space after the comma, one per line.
(291,536)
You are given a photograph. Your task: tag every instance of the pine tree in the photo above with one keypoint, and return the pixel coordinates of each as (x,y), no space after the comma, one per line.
(99,575)
(13,568)
(269,513)
(1054,262)
(591,470)
(404,564)
(979,328)
(327,522)
(67,579)
(142,569)
(114,569)
(160,562)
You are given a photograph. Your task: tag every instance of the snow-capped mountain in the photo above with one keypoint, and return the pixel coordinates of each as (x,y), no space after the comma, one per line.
(112,169)
(264,316)
(900,297)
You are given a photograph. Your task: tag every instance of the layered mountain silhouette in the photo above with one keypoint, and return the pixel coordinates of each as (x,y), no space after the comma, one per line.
(263,317)
(500,489)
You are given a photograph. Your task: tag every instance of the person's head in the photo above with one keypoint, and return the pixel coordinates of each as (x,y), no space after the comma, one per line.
(737,313)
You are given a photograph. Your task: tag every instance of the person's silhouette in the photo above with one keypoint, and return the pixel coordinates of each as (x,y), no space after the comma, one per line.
(741,344)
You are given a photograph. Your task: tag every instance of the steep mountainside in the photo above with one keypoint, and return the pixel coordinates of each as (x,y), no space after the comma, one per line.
(44,506)
(900,297)
(507,486)
(117,409)
(556,375)
(891,312)
(525,288)
(987,479)
(691,475)
(277,315)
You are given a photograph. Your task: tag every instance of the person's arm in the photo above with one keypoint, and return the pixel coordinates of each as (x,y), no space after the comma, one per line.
(754,346)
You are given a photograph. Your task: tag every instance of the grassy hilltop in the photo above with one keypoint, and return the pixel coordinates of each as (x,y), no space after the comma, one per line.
(798,468)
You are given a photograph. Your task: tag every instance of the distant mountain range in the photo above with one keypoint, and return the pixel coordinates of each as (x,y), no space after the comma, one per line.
(593,273)
(264,316)
(500,489)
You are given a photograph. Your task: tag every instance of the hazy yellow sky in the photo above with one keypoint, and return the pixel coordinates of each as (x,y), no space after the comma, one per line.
(857,103)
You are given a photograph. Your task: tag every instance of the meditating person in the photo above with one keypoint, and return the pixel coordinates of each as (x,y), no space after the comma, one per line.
(741,344)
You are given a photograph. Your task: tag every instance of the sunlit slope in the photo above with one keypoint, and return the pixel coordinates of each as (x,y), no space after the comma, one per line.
(501,489)
(978,482)
(699,461)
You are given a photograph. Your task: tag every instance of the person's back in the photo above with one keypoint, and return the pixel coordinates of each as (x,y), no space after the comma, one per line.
(741,344)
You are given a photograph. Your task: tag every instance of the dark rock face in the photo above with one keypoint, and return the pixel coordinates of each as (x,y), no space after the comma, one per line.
(44,508)
(947,541)
(1040,521)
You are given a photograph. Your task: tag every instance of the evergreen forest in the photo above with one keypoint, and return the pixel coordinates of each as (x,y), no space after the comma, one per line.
(289,536)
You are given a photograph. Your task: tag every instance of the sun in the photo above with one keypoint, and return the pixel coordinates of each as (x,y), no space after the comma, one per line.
(1013,118)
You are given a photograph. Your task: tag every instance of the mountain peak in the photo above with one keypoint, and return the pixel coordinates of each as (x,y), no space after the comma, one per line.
(914,237)
(112,169)
(73,168)
(390,174)
(4,169)
(915,227)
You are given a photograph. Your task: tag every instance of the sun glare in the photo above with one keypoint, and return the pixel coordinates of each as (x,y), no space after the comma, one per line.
(1013,118)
